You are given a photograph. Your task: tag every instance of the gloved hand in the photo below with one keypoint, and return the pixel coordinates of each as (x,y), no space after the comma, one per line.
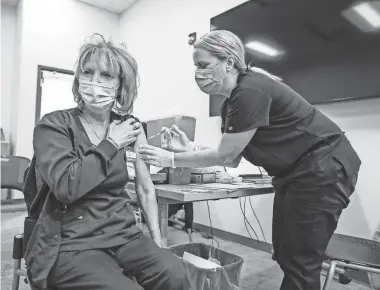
(176,140)
(156,156)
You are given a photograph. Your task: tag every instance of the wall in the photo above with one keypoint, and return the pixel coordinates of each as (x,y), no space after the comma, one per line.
(361,122)
(156,34)
(52,39)
(8,47)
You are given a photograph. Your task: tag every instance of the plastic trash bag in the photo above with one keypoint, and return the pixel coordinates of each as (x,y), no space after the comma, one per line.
(225,277)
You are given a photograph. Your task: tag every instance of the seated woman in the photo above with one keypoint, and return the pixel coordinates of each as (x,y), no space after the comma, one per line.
(85,236)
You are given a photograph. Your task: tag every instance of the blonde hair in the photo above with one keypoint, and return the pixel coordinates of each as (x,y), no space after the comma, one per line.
(119,59)
(224,44)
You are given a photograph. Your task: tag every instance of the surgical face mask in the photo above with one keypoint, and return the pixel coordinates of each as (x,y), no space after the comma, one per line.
(207,79)
(97,97)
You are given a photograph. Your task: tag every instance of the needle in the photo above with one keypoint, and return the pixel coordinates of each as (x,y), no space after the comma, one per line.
(159,133)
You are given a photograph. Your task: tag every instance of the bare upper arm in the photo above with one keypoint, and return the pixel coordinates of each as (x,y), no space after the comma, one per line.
(143,179)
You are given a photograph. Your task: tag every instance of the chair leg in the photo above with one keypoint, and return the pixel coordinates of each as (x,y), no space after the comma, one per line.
(330,275)
(16,276)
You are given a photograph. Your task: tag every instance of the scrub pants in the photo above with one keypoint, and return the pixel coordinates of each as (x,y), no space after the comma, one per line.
(154,268)
(304,219)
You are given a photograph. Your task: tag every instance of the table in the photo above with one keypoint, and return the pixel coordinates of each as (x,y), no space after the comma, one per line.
(173,194)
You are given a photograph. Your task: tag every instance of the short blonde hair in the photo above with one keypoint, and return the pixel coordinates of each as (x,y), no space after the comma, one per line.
(224,44)
(118,58)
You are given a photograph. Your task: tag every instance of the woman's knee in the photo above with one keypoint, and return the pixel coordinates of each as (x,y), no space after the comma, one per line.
(172,273)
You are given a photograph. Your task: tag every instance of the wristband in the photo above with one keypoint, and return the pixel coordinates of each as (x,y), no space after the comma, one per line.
(110,139)
(173,165)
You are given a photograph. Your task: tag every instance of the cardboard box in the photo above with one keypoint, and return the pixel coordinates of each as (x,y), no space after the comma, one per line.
(203,178)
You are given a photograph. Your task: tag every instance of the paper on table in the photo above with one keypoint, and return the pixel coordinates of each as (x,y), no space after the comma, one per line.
(199,262)
(230,187)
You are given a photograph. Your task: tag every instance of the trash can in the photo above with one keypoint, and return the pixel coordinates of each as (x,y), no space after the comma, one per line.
(225,277)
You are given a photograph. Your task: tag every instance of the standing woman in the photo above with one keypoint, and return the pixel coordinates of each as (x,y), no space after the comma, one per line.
(314,166)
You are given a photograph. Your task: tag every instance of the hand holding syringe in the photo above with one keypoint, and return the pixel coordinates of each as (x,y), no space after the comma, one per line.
(175,139)
(163,130)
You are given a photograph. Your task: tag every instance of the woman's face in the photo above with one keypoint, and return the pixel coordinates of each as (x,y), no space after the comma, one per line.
(99,71)
(99,85)
(211,72)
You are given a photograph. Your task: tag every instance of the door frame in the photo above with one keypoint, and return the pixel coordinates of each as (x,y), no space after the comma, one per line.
(40,69)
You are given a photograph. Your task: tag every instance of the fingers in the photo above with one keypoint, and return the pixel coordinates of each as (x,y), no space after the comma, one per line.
(130,125)
(147,152)
(163,129)
(136,125)
(130,121)
(148,157)
(176,129)
(136,132)
(147,147)
(179,132)
(169,133)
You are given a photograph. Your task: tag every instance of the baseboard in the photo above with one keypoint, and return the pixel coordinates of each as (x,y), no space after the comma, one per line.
(231,237)
(13,205)
(13,201)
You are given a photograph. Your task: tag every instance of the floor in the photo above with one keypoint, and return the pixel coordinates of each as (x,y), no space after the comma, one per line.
(259,271)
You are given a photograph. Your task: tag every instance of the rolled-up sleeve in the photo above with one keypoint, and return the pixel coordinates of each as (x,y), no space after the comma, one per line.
(247,109)
(68,175)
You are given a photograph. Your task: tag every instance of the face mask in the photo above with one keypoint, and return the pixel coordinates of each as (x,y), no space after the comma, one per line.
(207,79)
(97,97)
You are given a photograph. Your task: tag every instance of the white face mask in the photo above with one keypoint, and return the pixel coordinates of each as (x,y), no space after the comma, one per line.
(207,79)
(97,97)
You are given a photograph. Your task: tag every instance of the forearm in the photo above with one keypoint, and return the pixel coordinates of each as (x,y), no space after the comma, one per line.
(201,147)
(201,158)
(148,203)
(235,163)
(68,176)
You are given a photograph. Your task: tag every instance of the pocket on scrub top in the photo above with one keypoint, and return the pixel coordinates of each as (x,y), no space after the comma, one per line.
(345,155)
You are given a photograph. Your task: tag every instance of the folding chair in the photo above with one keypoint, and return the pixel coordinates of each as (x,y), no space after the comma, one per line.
(349,252)
(13,171)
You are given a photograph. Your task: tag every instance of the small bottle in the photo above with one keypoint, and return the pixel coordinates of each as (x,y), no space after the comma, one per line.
(164,142)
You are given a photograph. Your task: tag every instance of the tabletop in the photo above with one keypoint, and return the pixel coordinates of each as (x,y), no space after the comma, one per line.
(198,192)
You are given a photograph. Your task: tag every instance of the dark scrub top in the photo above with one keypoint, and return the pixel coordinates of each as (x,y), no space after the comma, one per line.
(97,214)
(292,138)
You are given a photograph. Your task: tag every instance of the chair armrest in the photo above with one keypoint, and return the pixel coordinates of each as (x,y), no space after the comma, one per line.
(18,246)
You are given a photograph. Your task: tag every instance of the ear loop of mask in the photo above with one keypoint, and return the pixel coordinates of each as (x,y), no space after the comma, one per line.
(225,75)
(116,108)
